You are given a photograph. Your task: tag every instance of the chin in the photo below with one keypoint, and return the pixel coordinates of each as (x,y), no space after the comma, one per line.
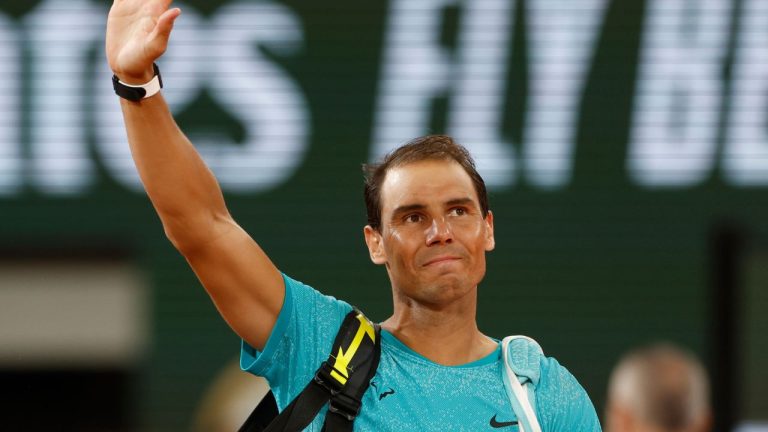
(446,290)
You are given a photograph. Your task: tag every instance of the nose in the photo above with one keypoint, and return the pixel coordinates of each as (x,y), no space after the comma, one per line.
(439,232)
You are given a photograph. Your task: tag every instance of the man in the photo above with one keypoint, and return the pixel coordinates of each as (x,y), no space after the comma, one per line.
(429,225)
(659,388)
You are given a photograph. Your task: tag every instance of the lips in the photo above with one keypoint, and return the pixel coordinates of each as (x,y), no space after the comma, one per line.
(440,259)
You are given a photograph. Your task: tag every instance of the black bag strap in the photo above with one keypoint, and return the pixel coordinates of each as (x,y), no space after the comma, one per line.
(262,415)
(340,381)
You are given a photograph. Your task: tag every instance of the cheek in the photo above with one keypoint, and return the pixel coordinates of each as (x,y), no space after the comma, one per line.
(481,263)
(474,234)
(395,236)
(397,247)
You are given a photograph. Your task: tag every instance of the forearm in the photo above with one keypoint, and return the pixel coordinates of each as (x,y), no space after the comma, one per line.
(247,288)
(182,189)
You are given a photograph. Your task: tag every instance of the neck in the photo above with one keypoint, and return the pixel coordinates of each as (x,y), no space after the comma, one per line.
(447,335)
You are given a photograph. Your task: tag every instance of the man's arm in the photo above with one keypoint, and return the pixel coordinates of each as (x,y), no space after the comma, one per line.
(246,287)
(562,403)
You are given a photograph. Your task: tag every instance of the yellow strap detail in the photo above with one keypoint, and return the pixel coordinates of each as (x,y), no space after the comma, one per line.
(343,358)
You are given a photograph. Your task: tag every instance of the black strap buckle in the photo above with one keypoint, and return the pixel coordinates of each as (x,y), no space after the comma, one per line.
(342,404)
(345,406)
(324,379)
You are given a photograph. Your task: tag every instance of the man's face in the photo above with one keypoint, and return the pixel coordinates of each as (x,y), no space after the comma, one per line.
(433,235)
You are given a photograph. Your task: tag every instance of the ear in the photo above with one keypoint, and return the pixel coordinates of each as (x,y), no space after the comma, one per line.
(490,241)
(375,245)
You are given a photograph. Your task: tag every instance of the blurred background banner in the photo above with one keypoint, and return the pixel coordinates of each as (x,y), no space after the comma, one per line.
(625,145)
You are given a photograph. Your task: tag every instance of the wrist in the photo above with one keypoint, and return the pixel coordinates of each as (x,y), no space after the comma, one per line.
(136,79)
(133,76)
(137,88)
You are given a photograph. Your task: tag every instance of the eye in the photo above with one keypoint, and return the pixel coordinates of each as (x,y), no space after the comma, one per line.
(413,218)
(458,211)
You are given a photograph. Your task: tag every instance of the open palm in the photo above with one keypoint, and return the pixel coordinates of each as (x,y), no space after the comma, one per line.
(137,34)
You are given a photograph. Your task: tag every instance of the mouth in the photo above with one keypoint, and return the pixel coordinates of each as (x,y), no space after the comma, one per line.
(441,259)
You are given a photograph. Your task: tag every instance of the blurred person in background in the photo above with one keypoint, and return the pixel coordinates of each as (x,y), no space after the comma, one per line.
(229,400)
(658,388)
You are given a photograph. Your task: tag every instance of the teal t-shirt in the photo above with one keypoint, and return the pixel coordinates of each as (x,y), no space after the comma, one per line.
(409,392)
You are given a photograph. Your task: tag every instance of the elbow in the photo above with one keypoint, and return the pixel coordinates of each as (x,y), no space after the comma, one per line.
(182,239)
(189,234)
(175,237)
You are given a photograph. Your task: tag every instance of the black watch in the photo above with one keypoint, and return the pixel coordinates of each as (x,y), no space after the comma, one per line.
(138,92)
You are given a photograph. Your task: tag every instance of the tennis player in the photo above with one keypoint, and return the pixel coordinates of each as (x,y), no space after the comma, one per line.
(429,225)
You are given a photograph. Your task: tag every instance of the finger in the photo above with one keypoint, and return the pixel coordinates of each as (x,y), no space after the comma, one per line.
(158,39)
(165,21)
(156,8)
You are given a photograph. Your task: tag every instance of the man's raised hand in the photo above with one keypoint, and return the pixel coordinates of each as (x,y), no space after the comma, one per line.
(137,34)
(247,288)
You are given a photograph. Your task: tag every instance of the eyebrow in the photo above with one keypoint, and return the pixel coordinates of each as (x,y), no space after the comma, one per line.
(459,201)
(414,207)
(407,208)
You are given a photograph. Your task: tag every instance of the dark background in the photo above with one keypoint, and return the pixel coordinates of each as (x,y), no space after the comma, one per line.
(589,269)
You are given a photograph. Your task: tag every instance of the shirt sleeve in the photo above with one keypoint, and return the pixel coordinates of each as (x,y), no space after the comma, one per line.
(299,342)
(562,403)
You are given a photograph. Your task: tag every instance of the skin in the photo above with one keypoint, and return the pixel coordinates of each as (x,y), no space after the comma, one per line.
(432,242)
(245,286)
(669,369)
(434,302)
(620,418)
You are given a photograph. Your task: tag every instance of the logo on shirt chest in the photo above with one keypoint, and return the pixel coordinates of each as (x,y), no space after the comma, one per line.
(501,424)
(382,394)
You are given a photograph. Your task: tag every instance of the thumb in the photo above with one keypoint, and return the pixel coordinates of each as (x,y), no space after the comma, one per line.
(158,39)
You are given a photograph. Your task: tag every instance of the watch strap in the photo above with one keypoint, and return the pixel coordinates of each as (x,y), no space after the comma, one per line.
(138,92)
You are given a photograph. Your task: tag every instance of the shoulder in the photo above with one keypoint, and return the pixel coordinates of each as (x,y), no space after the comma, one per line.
(562,403)
(302,335)
(304,295)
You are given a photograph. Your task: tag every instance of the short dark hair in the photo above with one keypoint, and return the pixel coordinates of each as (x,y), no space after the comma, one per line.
(430,147)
